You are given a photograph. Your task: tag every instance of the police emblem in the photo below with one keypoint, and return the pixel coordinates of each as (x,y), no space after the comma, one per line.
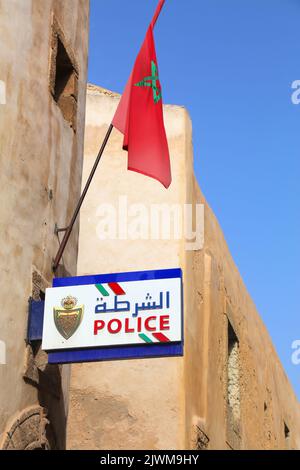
(68,318)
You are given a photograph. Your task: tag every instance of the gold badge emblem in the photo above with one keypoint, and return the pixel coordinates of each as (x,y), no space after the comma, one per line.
(68,318)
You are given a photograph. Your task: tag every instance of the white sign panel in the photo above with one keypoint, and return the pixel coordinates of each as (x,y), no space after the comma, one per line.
(111,314)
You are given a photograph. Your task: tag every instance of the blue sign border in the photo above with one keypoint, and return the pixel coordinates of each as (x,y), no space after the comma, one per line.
(118,352)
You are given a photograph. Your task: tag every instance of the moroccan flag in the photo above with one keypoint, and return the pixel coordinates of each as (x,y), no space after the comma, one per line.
(139,115)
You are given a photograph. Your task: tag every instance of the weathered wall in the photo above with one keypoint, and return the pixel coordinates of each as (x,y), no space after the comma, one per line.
(266,399)
(175,403)
(40,177)
(103,413)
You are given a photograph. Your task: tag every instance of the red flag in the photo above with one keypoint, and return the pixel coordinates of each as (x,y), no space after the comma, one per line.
(139,115)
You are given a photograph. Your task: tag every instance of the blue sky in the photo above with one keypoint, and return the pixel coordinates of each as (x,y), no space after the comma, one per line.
(231,64)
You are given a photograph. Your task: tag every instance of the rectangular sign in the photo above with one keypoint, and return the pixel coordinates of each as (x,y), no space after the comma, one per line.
(123,315)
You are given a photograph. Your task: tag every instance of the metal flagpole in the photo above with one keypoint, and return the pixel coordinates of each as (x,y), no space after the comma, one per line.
(68,230)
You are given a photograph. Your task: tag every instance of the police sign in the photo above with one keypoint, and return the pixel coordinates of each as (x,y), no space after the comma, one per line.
(123,315)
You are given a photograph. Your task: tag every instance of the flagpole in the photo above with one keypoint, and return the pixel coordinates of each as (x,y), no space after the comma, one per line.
(68,230)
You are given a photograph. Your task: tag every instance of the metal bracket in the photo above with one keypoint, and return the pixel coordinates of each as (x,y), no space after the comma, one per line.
(58,230)
(35,320)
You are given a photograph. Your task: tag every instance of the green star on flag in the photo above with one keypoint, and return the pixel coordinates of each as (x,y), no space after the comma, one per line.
(152,81)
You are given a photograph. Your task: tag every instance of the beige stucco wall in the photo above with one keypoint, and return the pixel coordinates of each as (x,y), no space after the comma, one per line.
(41,166)
(99,400)
(174,403)
(267,400)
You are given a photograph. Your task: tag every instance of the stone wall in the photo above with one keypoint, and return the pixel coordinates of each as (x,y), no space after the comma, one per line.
(41,145)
